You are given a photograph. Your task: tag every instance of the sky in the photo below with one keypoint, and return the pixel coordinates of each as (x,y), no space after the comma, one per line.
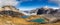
(30,4)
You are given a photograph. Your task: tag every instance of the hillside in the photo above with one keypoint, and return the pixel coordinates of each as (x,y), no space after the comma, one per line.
(4,20)
(9,15)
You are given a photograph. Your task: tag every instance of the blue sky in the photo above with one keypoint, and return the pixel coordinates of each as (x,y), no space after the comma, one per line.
(33,4)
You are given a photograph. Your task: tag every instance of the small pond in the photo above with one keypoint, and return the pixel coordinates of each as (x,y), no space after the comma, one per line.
(25,16)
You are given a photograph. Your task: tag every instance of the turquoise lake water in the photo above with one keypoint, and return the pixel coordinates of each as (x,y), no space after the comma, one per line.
(39,20)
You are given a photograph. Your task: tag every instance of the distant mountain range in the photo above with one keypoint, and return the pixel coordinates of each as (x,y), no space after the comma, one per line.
(34,11)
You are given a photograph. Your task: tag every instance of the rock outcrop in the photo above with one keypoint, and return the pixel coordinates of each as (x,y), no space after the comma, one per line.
(10,11)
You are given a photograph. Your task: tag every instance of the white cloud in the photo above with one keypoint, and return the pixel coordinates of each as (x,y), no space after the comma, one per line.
(28,0)
(51,7)
(21,1)
(8,2)
(24,9)
(55,1)
(25,0)
(54,7)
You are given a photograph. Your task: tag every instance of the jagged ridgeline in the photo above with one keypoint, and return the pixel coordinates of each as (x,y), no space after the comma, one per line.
(10,11)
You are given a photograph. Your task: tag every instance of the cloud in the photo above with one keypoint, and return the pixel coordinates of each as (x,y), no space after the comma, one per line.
(27,8)
(25,0)
(8,2)
(29,0)
(55,1)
